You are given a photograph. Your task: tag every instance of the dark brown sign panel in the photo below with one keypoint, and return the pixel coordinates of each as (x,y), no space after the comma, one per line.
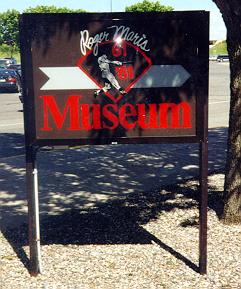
(114,77)
(124,77)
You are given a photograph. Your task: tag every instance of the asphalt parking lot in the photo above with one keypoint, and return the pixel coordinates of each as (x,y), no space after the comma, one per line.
(219,94)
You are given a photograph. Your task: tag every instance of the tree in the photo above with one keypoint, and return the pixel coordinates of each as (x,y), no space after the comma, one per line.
(148,6)
(231,12)
(9,33)
(51,9)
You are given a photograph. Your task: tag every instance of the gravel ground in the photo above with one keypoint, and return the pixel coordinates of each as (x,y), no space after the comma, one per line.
(146,240)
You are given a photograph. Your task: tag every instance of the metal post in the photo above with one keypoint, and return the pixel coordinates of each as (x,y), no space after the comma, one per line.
(33,211)
(203,207)
(203,150)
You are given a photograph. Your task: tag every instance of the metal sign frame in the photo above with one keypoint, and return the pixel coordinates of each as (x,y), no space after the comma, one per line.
(28,30)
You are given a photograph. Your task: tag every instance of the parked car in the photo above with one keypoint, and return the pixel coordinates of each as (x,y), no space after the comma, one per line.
(17,69)
(14,66)
(5,62)
(10,80)
(222,58)
(12,60)
(213,57)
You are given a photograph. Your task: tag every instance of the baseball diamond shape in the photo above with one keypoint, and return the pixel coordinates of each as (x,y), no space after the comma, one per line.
(114,67)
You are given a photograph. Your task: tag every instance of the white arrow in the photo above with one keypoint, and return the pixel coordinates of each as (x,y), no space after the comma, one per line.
(64,78)
(61,78)
(163,76)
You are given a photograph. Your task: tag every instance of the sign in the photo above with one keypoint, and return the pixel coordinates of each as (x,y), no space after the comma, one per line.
(122,77)
(114,78)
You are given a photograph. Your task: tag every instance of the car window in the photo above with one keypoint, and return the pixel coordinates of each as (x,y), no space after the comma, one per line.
(222,56)
(3,61)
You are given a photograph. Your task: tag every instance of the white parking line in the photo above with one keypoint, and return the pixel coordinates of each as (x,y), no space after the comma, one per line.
(222,101)
(11,124)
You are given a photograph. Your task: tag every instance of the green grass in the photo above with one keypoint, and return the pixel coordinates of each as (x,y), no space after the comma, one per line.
(219,48)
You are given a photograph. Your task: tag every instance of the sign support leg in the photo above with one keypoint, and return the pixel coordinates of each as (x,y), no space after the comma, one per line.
(203,207)
(33,211)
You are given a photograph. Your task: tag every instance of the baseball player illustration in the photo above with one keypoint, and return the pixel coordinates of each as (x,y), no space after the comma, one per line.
(107,75)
